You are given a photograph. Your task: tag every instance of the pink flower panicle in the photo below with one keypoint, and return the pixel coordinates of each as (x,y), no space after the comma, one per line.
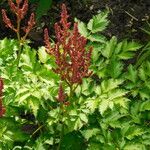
(24,9)
(2,108)
(7,20)
(20,12)
(13,7)
(46,40)
(17,9)
(31,23)
(72,58)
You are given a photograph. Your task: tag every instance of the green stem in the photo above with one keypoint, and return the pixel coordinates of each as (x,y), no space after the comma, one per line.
(62,127)
(39,128)
(71,88)
(19,39)
(54,140)
(19,54)
(75,87)
(18,29)
(61,136)
(71,91)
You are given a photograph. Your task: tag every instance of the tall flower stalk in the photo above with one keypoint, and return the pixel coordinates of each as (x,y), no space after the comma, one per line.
(20,9)
(71,57)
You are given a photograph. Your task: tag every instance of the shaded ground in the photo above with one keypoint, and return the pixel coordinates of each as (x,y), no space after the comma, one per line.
(126,17)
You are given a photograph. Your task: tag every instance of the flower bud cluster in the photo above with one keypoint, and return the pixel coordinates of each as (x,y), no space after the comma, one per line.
(72,57)
(20,9)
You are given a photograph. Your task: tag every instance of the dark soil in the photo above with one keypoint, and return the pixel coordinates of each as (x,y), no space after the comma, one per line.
(127,17)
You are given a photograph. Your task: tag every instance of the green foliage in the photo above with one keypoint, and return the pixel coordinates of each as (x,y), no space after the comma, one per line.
(110,110)
(120,122)
(97,24)
(42,7)
(122,50)
(108,94)
(146,28)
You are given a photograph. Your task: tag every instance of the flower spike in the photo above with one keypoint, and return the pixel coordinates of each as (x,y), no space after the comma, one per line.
(31,23)
(7,20)
(71,56)
(46,40)
(20,12)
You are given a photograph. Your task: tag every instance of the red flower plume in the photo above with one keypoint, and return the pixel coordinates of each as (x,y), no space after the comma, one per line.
(20,12)
(72,58)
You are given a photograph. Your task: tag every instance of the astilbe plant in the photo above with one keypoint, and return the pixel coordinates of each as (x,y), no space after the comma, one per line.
(72,60)
(70,53)
(20,9)
(2,108)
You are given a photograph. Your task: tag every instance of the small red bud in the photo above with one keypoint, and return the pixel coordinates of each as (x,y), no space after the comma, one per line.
(67,103)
